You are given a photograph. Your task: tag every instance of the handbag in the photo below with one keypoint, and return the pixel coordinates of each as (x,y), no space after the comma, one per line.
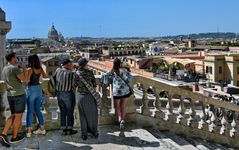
(92,90)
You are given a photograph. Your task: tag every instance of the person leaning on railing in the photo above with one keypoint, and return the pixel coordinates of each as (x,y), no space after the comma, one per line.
(34,94)
(13,76)
(119,77)
(84,81)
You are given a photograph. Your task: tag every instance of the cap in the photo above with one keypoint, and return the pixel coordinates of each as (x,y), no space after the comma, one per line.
(82,61)
(65,61)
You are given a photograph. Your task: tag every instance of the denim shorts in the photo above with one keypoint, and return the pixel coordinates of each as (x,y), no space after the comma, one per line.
(17,104)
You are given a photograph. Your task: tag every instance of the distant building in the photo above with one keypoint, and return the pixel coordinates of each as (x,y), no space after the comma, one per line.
(122,50)
(90,54)
(53,34)
(50,64)
(154,49)
(27,44)
(210,48)
(222,68)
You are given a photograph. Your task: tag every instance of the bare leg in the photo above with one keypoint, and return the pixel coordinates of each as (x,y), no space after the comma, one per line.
(122,108)
(117,110)
(17,124)
(29,130)
(8,124)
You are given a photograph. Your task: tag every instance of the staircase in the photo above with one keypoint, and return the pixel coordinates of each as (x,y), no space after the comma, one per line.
(111,138)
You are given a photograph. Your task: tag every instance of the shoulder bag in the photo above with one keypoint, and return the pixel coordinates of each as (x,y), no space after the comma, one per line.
(92,90)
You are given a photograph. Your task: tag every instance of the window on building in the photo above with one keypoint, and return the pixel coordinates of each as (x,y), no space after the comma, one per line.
(208,69)
(220,69)
(237,70)
(50,73)
(237,83)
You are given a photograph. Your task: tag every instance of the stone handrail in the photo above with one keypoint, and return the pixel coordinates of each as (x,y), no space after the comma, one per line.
(185,112)
(171,108)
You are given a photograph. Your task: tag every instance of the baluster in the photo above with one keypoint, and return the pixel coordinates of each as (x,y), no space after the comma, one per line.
(131,107)
(213,117)
(191,113)
(223,120)
(145,108)
(202,116)
(104,102)
(169,108)
(233,124)
(157,103)
(181,111)
(112,107)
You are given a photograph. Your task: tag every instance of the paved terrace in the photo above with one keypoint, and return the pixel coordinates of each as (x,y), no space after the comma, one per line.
(176,119)
(111,138)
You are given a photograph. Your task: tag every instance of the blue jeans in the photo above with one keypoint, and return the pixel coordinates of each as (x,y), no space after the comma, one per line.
(66,102)
(34,96)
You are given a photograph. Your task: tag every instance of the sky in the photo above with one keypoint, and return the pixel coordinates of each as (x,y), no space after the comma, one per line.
(120,18)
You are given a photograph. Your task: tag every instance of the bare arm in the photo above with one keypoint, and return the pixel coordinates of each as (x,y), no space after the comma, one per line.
(22,76)
(28,75)
(43,73)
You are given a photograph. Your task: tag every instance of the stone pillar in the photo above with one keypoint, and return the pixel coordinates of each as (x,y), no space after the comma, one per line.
(5,27)
(2,107)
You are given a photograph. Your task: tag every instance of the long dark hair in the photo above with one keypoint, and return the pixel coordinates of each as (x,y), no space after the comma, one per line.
(116,66)
(34,62)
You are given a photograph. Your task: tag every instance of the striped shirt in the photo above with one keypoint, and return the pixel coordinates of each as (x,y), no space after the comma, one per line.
(64,80)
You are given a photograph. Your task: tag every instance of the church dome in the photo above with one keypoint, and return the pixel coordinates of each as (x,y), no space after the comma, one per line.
(53,34)
(2,15)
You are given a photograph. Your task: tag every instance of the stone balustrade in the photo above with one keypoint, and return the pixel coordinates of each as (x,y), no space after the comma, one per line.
(182,111)
(171,108)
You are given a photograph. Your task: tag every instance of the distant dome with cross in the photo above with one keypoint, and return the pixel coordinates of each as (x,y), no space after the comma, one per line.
(53,34)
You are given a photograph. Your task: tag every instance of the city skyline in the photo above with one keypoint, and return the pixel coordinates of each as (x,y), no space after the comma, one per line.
(109,18)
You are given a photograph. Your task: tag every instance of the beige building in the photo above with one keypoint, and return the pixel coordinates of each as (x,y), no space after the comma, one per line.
(123,51)
(222,67)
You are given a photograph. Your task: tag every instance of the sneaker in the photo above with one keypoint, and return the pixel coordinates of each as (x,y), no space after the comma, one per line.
(17,139)
(28,135)
(64,132)
(39,131)
(71,132)
(122,124)
(4,140)
(84,137)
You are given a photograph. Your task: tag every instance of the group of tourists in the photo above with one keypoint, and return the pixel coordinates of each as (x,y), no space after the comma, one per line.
(71,86)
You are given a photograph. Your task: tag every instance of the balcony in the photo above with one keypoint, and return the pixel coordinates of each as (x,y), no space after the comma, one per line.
(172,110)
